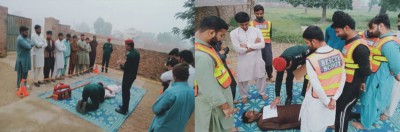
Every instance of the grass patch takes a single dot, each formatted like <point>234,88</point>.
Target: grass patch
<point>287,22</point>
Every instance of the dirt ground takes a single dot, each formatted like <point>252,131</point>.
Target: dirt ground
<point>34,114</point>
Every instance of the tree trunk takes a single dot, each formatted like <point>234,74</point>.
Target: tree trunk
<point>305,10</point>
<point>218,13</point>
<point>383,9</point>
<point>323,19</point>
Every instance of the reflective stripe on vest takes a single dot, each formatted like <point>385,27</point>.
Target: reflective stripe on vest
<point>328,67</point>
<point>220,72</point>
<point>265,28</point>
<point>377,57</point>
<point>350,65</point>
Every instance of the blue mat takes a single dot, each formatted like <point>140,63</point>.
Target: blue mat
<point>255,102</point>
<point>105,117</point>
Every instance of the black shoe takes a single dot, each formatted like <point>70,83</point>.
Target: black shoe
<point>36,84</point>
<point>119,110</point>
<point>102,69</point>
<point>288,101</point>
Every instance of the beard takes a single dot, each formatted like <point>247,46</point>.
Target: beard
<point>214,41</point>
<point>343,37</point>
<point>374,34</point>
<point>24,35</point>
<point>259,18</point>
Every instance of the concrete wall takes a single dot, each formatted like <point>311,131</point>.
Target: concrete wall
<point>3,31</point>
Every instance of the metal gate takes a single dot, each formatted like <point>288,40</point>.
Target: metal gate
<point>13,24</point>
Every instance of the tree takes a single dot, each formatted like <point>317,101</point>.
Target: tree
<point>389,5</point>
<point>101,27</point>
<point>372,3</point>
<point>83,27</point>
<point>324,4</point>
<point>188,31</point>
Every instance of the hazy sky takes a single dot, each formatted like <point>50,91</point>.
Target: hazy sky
<point>144,15</point>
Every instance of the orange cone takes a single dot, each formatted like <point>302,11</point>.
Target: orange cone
<point>22,92</point>
<point>95,70</point>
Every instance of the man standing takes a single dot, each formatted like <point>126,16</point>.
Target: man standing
<point>248,42</point>
<point>330,35</point>
<point>186,56</point>
<point>107,50</point>
<point>67,53</point>
<point>214,102</point>
<point>59,57</point>
<point>73,60</point>
<point>23,62</point>
<point>289,60</point>
<point>325,68</point>
<point>38,54</point>
<point>356,54</point>
<point>385,64</point>
<point>394,101</point>
<point>81,54</point>
<point>175,106</point>
<point>266,28</point>
<point>49,58</point>
<point>93,46</point>
<point>130,68</point>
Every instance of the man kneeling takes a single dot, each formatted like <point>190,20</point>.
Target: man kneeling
<point>96,93</point>
<point>288,117</point>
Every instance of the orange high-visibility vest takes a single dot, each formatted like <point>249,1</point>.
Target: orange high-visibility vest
<point>220,72</point>
<point>377,57</point>
<point>265,28</point>
<point>350,65</point>
<point>328,67</point>
<point>369,41</point>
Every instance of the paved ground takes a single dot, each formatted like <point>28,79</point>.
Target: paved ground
<point>34,114</point>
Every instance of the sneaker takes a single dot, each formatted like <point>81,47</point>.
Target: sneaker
<point>83,107</point>
<point>79,105</point>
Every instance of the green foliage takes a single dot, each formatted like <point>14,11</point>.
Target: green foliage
<point>287,22</point>
<point>188,31</point>
<point>390,5</point>
<point>101,27</point>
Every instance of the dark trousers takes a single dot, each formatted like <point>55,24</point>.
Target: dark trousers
<point>71,68</point>
<point>344,105</point>
<point>305,83</point>
<point>165,85</point>
<point>127,82</point>
<point>106,60</point>
<point>267,57</point>
<point>48,67</point>
<point>92,59</point>
<point>95,98</point>
<point>20,74</point>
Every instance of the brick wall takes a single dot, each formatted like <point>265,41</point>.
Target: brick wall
<point>151,62</point>
<point>3,31</point>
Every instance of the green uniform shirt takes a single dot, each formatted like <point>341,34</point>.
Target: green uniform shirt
<point>297,54</point>
<point>107,48</point>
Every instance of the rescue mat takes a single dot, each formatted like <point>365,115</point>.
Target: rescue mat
<point>105,117</point>
<point>255,102</point>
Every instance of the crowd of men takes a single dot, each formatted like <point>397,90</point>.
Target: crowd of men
<point>341,67</point>
<point>56,59</point>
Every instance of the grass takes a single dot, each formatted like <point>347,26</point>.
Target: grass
<point>287,22</point>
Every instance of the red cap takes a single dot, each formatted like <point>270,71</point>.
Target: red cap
<point>128,41</point>
<point>279,64</point>
<point>108,38</point>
